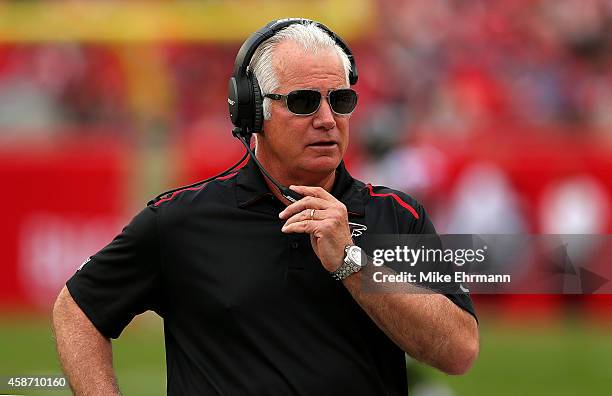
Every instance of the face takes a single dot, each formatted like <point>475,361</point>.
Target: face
<point>297,146</point>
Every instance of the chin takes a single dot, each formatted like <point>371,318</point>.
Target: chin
<point>323,164</point>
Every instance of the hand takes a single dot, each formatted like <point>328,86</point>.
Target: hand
<point>328,228</point>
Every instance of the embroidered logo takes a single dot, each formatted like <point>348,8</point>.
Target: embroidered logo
<point>357,229</point>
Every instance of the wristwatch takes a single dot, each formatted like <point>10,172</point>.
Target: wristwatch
<point>350,264</point>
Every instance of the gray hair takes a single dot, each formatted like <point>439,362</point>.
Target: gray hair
<point>309,36</point>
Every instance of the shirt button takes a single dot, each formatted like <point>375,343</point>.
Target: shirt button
<point>294,245</point>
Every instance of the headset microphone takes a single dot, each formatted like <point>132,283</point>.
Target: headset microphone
<point>288,193</point>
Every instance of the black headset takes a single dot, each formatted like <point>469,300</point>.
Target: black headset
<point>246,102</point>
<point>244,95</point>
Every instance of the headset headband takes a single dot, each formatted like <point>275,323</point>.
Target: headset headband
<point>245,54</point>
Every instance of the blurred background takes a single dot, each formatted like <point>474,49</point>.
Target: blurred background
<point>496,115</point>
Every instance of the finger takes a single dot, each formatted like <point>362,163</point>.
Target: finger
<point>304,203</point>
<point>314,192</point>
<point>304,226</point>
<point>305,215</point>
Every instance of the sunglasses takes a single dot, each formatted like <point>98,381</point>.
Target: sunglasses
<point>305,102</point>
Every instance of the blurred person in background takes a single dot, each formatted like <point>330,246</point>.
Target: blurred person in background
<point>260,295</point>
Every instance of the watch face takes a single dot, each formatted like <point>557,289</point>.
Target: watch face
<point>354,254</point>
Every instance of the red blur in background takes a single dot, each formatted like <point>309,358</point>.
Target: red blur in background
<point>495,115</point>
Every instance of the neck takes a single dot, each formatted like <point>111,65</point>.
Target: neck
<point>287,178</point>
<point>326,184</point>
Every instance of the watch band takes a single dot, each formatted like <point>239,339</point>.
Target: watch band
<point>349,266</point>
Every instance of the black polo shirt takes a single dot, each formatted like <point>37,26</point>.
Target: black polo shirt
<point>247,309</point>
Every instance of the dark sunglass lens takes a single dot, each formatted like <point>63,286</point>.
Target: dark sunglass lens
<point>343,101</point>
<point>303,101</point>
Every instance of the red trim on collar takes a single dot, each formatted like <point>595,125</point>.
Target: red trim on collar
<point>174,194</point>
<point>398,199</point>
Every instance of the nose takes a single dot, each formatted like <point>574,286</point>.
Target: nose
<point>324,117</point>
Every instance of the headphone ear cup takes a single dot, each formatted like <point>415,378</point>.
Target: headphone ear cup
<point>257,105</point>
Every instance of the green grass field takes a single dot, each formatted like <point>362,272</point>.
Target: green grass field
<point>569,359</point>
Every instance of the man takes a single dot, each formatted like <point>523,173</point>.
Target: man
<point>241,275</point>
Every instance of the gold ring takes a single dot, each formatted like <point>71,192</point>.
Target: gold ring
<point>312,212</point>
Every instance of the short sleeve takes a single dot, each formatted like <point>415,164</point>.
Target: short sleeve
<point>123,279</point>
<point>452,291</point>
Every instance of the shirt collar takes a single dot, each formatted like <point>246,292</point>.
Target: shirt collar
<point>251,187</point>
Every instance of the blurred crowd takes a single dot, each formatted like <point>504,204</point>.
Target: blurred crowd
<point>462,64</point>
<point>465,66</point>
<point>427,65</point>
<point>477,108</point>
